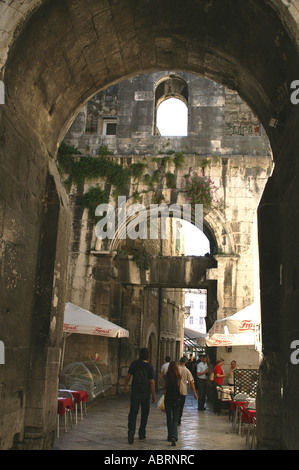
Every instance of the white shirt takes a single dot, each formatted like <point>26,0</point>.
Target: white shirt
<point>164,368</point>
<point>201,367</point>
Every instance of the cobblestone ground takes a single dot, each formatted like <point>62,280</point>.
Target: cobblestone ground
<point>105,428</point>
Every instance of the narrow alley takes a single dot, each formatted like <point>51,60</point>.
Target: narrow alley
<point>105,428</point>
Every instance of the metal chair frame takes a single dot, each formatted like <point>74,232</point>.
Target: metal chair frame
<point>68,411</point>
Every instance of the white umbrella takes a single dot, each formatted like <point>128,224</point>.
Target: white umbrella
<point>79,320</point>
<point>241,322</point>
<point>236,330</point>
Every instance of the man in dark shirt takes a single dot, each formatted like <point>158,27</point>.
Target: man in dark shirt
<point>141,390</point>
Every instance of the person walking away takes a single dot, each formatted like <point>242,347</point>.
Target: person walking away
<point>218,380</point>
<point>164,369</point>
<point>143,385</point>
<point>202,376</point>
<point>193,369</point>
<point>171,390</point>
<point>189,362</point>
<point>187,378</point>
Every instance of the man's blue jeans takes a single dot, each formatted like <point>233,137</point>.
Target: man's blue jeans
<point>142,401</point>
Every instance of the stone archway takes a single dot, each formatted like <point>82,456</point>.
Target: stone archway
<point>60,55</point>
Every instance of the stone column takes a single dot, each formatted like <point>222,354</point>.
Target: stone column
<point>269,404</point>
<point>47,322</point>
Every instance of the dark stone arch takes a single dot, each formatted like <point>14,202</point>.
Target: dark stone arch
<point>61,57</point>
<point>67,51</point>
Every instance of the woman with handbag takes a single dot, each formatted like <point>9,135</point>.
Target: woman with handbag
<point>171,390</point>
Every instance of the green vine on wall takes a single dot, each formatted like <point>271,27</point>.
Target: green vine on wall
<point>81,168</point>
<point>142,259</point>
<point>93,198</point>
<point>137,170</point>
<point>170,180</point>
<point>179,159</point>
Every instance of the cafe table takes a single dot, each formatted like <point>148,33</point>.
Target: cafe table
<point>80,397</point>
<point>236,407</point>
<point>65,406</point>
<point>251,424</point>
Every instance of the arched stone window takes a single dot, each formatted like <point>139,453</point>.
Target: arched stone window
<point>171,91</point>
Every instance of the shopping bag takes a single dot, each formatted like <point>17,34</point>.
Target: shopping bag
<point>161,404</point>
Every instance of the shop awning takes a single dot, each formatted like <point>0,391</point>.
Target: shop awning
<point>194,338</point>
<point>79,320</point>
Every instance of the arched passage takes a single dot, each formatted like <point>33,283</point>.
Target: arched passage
<point>62,54</point>
<point>211,223</point>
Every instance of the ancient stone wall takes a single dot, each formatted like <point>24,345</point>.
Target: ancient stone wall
<point>34,244</point>
<point>220,124</point>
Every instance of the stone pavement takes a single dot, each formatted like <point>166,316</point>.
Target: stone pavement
<point>105,428</point>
